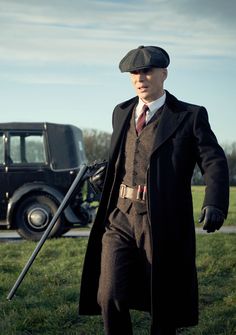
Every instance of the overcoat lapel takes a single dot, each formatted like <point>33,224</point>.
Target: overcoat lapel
<point>124,115</point>
<point>169,122</point>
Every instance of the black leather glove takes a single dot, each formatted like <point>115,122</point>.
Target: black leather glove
<point>98,176</point>
<point>212,218</point>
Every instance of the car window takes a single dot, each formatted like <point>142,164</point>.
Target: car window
<point>1,149</point>
<point>35,152</point>
<point>27,149</point>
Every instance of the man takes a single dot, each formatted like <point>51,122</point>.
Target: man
<point>141,250</point>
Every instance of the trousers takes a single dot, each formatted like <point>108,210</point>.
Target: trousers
<point>125,264</point>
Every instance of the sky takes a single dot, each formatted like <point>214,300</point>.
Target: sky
<point>59,58</point>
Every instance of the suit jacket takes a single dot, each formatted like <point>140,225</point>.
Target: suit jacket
<point>183,138</point>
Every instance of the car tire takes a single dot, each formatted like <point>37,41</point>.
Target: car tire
<point>34,214</point>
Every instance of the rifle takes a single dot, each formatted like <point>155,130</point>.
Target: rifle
<point>84,173</point>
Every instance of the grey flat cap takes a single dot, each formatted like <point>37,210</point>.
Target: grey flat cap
<point>144,57</point>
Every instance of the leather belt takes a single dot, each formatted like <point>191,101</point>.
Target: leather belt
<point>137,193</point>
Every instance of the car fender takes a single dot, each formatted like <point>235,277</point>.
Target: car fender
<point>29,188</point>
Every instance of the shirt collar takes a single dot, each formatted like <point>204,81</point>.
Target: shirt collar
<point>153,106</point>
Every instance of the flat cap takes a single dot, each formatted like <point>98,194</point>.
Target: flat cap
<point>144,57</point>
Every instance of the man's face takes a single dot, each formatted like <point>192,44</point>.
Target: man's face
<point>148,83</point>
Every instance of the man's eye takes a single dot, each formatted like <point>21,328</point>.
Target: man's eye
<point>143,71</point>
<point>146,70</point>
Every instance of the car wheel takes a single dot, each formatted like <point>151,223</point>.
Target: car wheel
<point>34,215</point>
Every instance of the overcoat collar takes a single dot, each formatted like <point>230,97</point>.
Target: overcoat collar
<point>173,114</point>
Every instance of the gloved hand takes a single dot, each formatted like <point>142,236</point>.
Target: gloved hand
<point>98,176</point>
<point>212,218</point>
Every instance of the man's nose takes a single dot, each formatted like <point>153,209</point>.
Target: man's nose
<point>140,76</point>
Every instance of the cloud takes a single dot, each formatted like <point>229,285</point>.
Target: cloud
<point>100,32</point>
<point>222,13</point>
<point>55,54</point>
<point>48,79</point>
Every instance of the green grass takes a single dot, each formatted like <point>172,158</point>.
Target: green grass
<point>47,300</point>
<point>198,196</point>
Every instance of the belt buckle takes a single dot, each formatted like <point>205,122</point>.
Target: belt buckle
<point>141,192</point>
<point>123,191</point>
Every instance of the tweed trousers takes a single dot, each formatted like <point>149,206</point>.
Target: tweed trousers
<point>126,262</point>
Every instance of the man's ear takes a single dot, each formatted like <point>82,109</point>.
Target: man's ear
<point>165,74</point>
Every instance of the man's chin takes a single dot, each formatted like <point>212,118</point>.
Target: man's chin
<point>144,96</point>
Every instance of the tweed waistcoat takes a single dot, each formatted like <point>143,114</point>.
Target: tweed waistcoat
<point>135,156</point>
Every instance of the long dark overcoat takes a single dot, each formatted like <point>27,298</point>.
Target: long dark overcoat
<point>183,138</point>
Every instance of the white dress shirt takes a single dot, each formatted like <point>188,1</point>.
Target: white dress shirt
<point>153,107</point>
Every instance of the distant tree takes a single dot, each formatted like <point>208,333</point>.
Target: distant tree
<point>197,178</point>
<point>230,151</point>
<point>96,144</point>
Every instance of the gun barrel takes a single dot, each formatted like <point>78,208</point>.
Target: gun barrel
<point>63,205</point>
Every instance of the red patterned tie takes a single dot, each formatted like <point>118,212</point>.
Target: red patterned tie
<point>141,122</point>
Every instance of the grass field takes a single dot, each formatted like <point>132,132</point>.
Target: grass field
<point>198,196</point>
<point>46,302</point>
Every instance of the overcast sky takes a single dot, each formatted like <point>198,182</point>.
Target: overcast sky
<point>59,58</point>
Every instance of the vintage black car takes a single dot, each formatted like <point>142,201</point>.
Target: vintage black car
<point>38,163</point>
